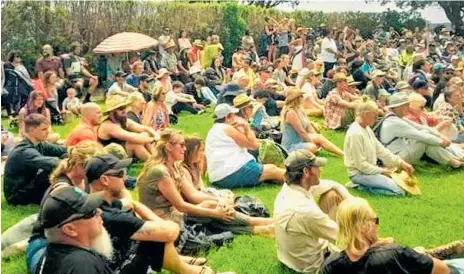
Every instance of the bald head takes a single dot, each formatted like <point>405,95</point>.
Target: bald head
<point>91,113</point>
<point>47,50</point>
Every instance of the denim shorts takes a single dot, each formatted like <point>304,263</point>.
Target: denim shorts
<point>247,176</point>
<point>34,252</point>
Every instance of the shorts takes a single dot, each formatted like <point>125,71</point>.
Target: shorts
<point>247,176</point>
<point>34,252</point>
<point>141,256</point>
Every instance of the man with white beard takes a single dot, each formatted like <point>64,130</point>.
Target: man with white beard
<point>78,242</point>
<point>139,243</point>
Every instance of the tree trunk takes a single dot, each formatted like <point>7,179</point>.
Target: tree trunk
<point>455,12</point>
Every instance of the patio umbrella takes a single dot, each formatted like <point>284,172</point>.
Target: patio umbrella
<point>125,42</point>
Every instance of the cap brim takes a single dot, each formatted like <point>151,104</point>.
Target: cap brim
<point>123,164</point>
<point>398,105</point>
<point>93,201</point>
<point>354,84</point>
<point>320,161</point>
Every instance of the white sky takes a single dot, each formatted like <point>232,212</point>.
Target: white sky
<point>434,14</point>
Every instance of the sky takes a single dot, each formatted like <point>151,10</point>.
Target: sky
<point>434,14</point>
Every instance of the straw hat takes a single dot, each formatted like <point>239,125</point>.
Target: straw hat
<point>162,72</point>
<point>340,77</point>
<point>402,85</point>
<point>241,101</point>
<point>198,43</point>
<point>302,30</point>
<point>170,44</point>
<point>392,74</point>
<point>351,82</point>
<point>116,101</point>
<point>398,99</point>
<point>406,182</point>
<point>378,73</point>
<point>293,93</point>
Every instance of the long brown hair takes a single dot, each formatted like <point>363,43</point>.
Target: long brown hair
<point>193,145</point>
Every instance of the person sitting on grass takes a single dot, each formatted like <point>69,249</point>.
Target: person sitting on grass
<point>136,138</point>
<point>36,104</point>
<point>164,188</point>
<point>411,141</point>
<point>156,114</point>
<point>139,243</point>
<point>120,87</point>
<point>226,152</point>
<point>30,163</point>
<point>135,109</point>
<point>305,230</point>
<point>310,81</point>
<point>297,132</point>
<point>133,79</point>
<point>364,252</point>
<point>144,86</point>
<point>362,149</point>
<point>87,127</point>
<point>71,104</point>
<point>261,119</point>
<point>178,101</point>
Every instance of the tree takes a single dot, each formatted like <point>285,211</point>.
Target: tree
<point>454,10</point>
<point>270,3</point>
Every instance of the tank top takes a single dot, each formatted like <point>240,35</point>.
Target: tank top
<point>290,136</point>
<point>106,142</point>
<point>223,155</point>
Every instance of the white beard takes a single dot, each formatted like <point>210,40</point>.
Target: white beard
<point>102,244</point>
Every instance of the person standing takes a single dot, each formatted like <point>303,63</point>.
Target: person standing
<point>329,51</point>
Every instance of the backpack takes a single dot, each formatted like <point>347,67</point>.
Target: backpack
<point>251,206</point>
<point>378,127</point>
<point>271,153</point>
<point>196,238</point>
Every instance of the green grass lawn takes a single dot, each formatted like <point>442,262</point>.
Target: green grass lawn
<point>431,219</point>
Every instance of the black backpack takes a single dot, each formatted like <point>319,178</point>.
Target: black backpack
<point>378,127</point>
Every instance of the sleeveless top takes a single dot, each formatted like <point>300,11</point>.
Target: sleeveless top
<point>290,136</point>
<point>223,155</point>
<point>106,142</point>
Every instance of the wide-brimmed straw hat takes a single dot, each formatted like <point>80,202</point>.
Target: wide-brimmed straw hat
<point>198,43</point>
<point>293,94</point>
<point>170,44</point>
<point>340,77</point>
<point>116,101</point>
<point>398,99</point>
<point>162,72</point>
<point>241,101</point>
<point>351,82</point>
<point>406,182</point>
<point>402,85</point>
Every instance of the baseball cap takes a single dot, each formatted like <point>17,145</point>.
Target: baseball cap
<point>120,74</point>
<point>222,110</point>
<point>145,77</point>
<point>418,83</point>
<point>67,201</point>
<point>299,159</point>
<point>100,164</point>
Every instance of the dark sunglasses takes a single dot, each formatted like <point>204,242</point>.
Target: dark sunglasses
<point>119,173</point>
<point>86,216</point>
<point>376,220</point>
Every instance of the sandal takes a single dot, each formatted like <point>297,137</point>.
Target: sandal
<point>197,261</point>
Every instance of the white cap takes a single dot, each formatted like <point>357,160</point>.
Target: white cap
<point>222,110</point>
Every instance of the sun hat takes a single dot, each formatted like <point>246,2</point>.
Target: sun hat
<point>241,101</point>
<point>222,110</point>
<point>232,89</point>
<point>378,73</point>
<point>304,72</point>
<point>98,165</point>
<point>162,72</point>
<point>402,85</point>
<point>351,82</point>
<point>198,43</point>
<point>136,96</point>
<point>170,44</point>
<point>115,102</point>
<point>392,74</point>
<point>398,99</point>
<point>68,201</point>
<point>271,83</point>
<point>340,77</point>
<point>294,70</point>
<point>406,182</point>
<point>302,158</point>
<point>293,93</point>
<point>116,150</point>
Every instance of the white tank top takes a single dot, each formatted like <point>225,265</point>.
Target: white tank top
<point>223,155</point>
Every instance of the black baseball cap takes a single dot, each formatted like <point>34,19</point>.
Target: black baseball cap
<point>145,77</point>
<point>67,201</point>
<point>418,83</point>
<point>120,74</point>
<point>100,164</point>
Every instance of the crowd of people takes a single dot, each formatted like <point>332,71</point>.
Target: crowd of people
<point>398,95</point>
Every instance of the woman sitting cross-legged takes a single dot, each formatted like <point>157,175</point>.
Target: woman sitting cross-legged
<point>365,253</point>
<point>156,114</point>
<point>163,186</point>
<point>229,162</point>
<point>362,149</point>
<point>297,131</point>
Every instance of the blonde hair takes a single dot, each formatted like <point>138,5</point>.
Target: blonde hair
<point>355,222</point>
<point>365,105</point>
<point>77,155</point>
<point>160,154</point>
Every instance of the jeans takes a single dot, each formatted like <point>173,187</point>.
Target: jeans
<point>377,183</point>
<point>327,67</point>
<point>34,253</point>
<point>20,231</point>
<point>208,94</point>
<point>179,106</point>
<point>456,265</point>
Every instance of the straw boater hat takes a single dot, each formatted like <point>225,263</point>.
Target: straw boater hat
<point>293,93</point>
<point>406,182</point>
<point>116,101</point>
<point>170,44</point>
<point>241,101</point>
<point>162,72</point>
<point>198,43</point>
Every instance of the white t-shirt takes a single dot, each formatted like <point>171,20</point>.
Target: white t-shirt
<point>171,99</point>
<point>325,55</point>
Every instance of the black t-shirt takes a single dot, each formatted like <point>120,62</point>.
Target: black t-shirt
<point>121,225</point>
<point>67,259</point>
<point>134,117</point>
<point>380,260</point>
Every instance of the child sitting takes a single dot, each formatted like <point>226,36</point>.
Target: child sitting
<point>176,100</point>
<point>71,103</point>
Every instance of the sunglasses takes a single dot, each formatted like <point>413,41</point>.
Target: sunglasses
<point>182,144</point>
<point>376,220</point>
<point>86,216</point>
<point>118,174</point>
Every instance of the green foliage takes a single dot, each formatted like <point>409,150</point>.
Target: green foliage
<point>231,30</point>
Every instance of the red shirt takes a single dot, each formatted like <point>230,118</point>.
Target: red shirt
<point>49,63</point>
<point>82,132</point>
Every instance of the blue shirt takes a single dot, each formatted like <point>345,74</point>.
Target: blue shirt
<point>133,80</point>
<point>366,67</point>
